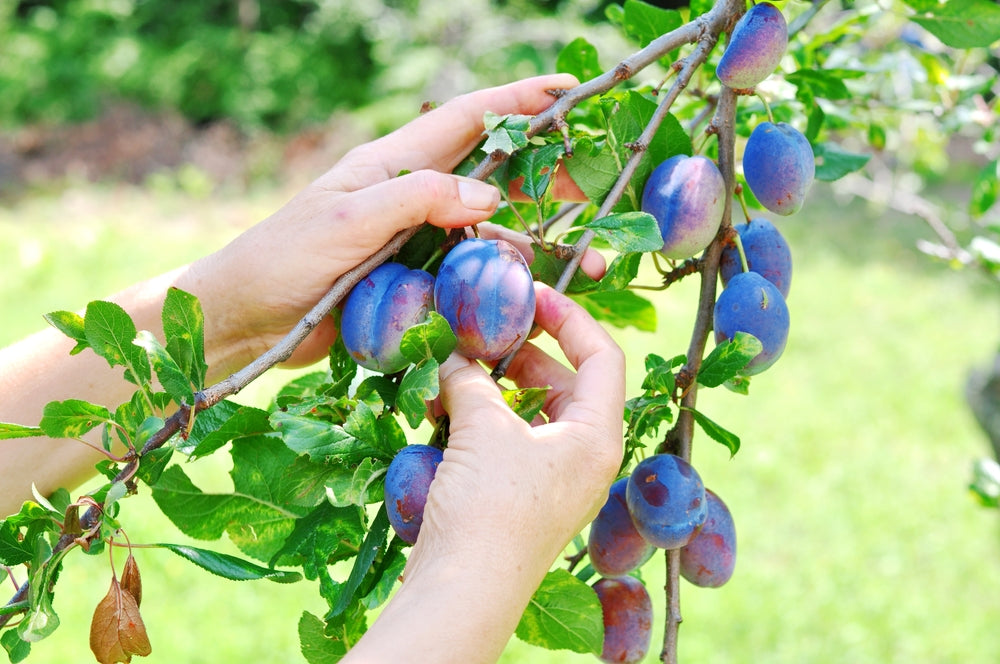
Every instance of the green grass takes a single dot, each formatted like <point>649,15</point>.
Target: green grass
<point>858,540</point>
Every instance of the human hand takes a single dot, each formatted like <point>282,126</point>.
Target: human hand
<point>257,288</point>
<point>508,496</point>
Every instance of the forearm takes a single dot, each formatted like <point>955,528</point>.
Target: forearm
<point>40,369</point>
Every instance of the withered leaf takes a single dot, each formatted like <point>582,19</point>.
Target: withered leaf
<point>131,581</point>
<point>117,631</point>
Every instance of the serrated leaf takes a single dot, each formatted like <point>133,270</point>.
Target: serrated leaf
<point>833,162</point>
<point>72,418</point>
<point>593,168</point>
<point>110,333</point>
<point>730,440</point>
<point>433,338</point>
<point>17,650</point>
<point>620,308</point>
<point>117,631</point>
<point>328,642</point>
<point>629,232</point>
<point>70,324</point>
<point>660,373</point>
<point>184,330</point>
<point>419,385</point>
<point>171,378</point>
<point>230,567</point>
<point>370,548</point>
<point>360,485</point>
<point>526,402</point>
<point>623,270</point>
<point>391,569</point>
<point>728,359</point>
<point>10,431</point>
<point>537,166</point>
<point>563,614</point>
<point>13,550</point>
<point>646,413</point>
<point>960,23</point>
<point>244,422</point>
<point>507,133</point>
<point>579,58</point>
<point>548,269</point>
<point>320,440</point>
<point>824,84</point>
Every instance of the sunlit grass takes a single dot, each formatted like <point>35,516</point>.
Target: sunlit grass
<point>858,541</point>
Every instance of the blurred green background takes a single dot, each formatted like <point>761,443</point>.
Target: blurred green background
<point>858,538</point>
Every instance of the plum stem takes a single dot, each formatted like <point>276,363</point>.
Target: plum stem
<point>738,241</point>
<point>767,107</point>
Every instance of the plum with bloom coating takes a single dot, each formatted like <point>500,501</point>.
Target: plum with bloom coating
<point>628,619</point>
<point>666,499</point>
<point>406,485</point>
<point>687,196</point>
<point>758,41</point>
<point>709,559</point>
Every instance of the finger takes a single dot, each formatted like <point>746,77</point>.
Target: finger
<point>443,137</point>
<point>598,394</point>
<point>469,395</point>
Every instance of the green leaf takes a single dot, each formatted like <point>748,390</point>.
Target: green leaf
<point>506,133</point>
<point>17,650</point>
<point>381,433</point>
<point>244,422</point>
<point>985,189</point>
<point>9,431</point>
<point>328,642</point>
<point>433,338</point>
<point>622,271</point>
<point>526,402</point>
<point>324,536</point>
<point>593,168</point>
<point>205,424</point>
<point>184,330</point>
<point>985,483</point>
<point>644,22</point>
<point>257,515</point>
<point>960,23</point>
<point>320,440</point>
<point>629,232</point>
<point>717,433</point>
<point>173,380</point>
<point>547,268</point>
<point>563,614</point>
<point>230,567</point>
<point>620,308</point>
<point>536,166</point>
<point>825,84</point>
<point>153,463</point>
<point>579,58</point>
<point>728,359</point>
<point>833,162</point>
<point>419,385</point>
<point>72,418</point>
<point>370,548</point>
<point>660,376</point>
<point>360,485</point>
<point>71,324</point>
<point>110,333</point>
<point>14,550</point>
<point>646,413</point>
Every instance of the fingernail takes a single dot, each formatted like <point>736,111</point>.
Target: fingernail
<point>477,195</point>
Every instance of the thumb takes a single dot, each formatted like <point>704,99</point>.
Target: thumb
<point>441,199</point>
<point>468,394</point>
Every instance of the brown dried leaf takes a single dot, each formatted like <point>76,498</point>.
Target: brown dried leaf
<point>131,581</point>
<point>117,631</point>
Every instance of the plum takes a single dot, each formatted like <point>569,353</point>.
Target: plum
<point>628,619</point>
<point>750,303</point>
<point>666,498</point>
<point>755,47</point>
<point>379,309</point>
<point>708,560</point>
<point>614,545</point>
<point>767,254</point>
<point>485,291</point>
<point>779,166</point>
<point>687,196</point>
<point>406,485</point>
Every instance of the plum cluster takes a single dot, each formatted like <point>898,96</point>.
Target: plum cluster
<point>661,504</point>
<point>483,288</point>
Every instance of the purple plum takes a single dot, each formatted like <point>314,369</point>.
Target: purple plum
<point>628,619</point>
<point>687,196</point>
<point>666,498</point>
<point>379,309</point>
<point>406,485</point>
<point>750,303</point>
<point>485,291</point>
<point>779,166</point>
<point>767,254</point>
<point>614,545</point>
<point>709,559</point>
<point>755,47</point>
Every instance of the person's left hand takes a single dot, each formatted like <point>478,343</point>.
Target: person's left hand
<point>258,287</point>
